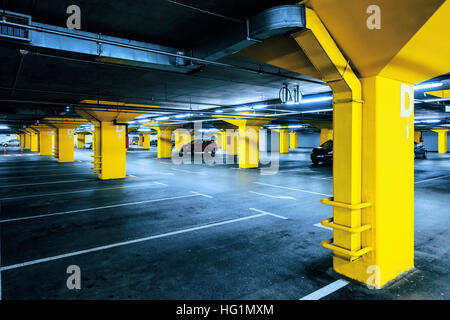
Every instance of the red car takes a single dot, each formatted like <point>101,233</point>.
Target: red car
<point>209,146</point>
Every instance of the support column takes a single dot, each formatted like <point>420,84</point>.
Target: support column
<point>182,137</point>
<point>65,145</point>
<point>45,141</point>
<point>284,140</point>
<point>164,142</point>
<point>146,141</point>
<point>81,140</point>
<point>442,140</point>
<point>140,140</point>
<point>27,140</point>
<point>22,140</point>
<point>231,142</point>
<point>325,135</point>
<point>248,147</point>
<point>34,144</point>
<point>293,140</point>
<point>418,136</point>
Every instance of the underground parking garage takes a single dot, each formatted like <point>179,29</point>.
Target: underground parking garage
<point>239,150</point>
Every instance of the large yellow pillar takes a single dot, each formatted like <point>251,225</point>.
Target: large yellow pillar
<point>284,140</point>
<point>248,146</point>
<point>27,140</point>
<point>44,140</point>
<point>181,137</point>
<point>223,140</point>
<point>293,140</point>
<point>22,140</point>
<point>140,140</point>
<point>442,140</point>
<point>146,141</point>
<point>81,140</point>
<point>34,143</point>
<point>325,135</point>
<point>231,142</point>
<point>164,149</point>
<point>417,136</point>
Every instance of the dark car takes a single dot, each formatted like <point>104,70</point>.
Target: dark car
<point>323,154</point>
<point>420,151</point>
<point>194,146</point>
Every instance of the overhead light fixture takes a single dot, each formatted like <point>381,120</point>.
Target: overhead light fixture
<point>428,85</point>
<point>314,100</point>
<point>144,130</point>
<point>3,127</point>
<point>292,126</point>
<point>143,120</point>
<point>318,110</point>
<point>260,106</point>
<point>179,116</point>
<point>242,109</point>
<point>162,118</point>
<point>219,111</point>
<point>431,121</point>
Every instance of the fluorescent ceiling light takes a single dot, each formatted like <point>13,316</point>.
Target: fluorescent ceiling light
<point>4,127</point>
<point>431,121</point>
<point>144,130</point>
<point>260,106</point>
<point>219,111</point>
<point>313,100</point>
<point>242,109</point>
<point>143,120</point>
<point>162,118</point>
<point>296,126</point>
<point>428,85</point>
<point>318,110</point>
<point>178,116</point>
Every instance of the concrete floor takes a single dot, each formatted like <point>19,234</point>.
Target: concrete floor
<point>228,244</point>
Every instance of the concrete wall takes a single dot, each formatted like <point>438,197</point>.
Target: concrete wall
<point>308,140</point>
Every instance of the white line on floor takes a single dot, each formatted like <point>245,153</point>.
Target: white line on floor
<point>323,292</point>
<point>40,183</point>
<point>165,173</point>
<point>161,184</point>
<point>189,171</point>
<point>77,191</point>
<point>48,175</point>
<point>202,194</point>
<point>293,189</point>
<point>319,225</point>
<point>431,179</point>
<point>98,208</point>
<point>268,213</point>
<point>119,244</point>
<point>275,197</point>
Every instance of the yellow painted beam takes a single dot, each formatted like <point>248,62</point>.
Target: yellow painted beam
<point>293,140</point>
<point>440,93</point>
<point>442,139</point>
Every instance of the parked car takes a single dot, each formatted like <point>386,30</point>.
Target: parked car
<point>11,143</point>
<point>206,146</point>
<point>88,145</point>
<point>420,151</point>
<point>323,154</point>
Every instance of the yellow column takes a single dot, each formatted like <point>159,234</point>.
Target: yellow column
<point>81,140</point>
<point>417,136</point>
<point>65,145</point>
<point>164,142</point>
<point>146,141</point>
<point>248,147</point>
<point>442,140</point>
<point>325,135</point>
<point>110,151</point>
<point>293,140</point>
<point>223,140</point>
<point>22,140</point>
<point>55,143</point>
<point>284,141</point>
<point>231,142</point>
<point>34,142</point>
<point>218,139</point>
<point>140,141</point>
<point>27,140</point>
<point>45,142</point>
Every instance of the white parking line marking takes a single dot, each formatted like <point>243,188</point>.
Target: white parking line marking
<point>323,292</point>
<point>161,184</point>
<point>189,171</point>
<point>76,191</point>
<point>293,189</point>
<point>97,208</point>
<point>202,194</point>
<point>124,243</point>
<point>275,197</point>
<point>268,213</point>
<point>40,183</point>
<point>431,179</point>
<point>319,225</point>
<point>48,175</point>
